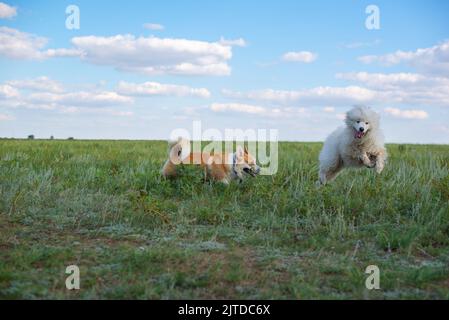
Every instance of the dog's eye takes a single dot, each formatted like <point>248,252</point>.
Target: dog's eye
<point>366,122</point>
<point>358,121</point>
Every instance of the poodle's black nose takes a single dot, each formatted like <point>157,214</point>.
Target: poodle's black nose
<point>361,129</point>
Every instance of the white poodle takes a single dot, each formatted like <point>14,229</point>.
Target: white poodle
<point>359,143</point>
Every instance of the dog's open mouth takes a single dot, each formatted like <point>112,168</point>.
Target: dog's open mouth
<point>358,134</point>
<point>249,171</point>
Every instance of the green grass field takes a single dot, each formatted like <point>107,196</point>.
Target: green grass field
<point>103,206</point>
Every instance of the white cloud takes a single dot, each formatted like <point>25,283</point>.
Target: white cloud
<point>96,111</point>
<point>238,107</point>
<point>62,52</point>
<point>301,56</point>
<point>369,88</point>
<point>16,44</point>
<point>40,83</point>
<point>256,110</point>
<point>48,94</point>
<point>329,109</point>
<point>81,98</point>
<point>6,117</point>
<point>320,96</point>
<point>122,113</point>
<point>240,42</point>
<point>7,92</point>
<point>155,88</point>
<point>153,26</point>
<point>20,45</point>
<point>409,88</point>
<point>407,114</point>
<point>6,11</point>
<point>433,60</point>
<point>146,55</point>
<point>380,80</point>
<point>152,55</point>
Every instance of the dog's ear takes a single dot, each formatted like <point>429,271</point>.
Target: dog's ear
<point>350,114</point>
<point>246,149</point>
<point>240,152</point>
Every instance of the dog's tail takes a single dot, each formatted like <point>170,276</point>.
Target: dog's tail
<point>178,150</point>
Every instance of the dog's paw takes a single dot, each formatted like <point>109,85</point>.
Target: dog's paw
<point>379,168</point>
<point>366,161</point>
<point>371,165</point>
<point>371,161</point>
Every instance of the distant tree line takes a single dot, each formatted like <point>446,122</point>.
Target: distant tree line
<point>31,137</point>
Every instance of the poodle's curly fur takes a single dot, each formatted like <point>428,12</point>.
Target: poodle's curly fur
<point>359,143</point>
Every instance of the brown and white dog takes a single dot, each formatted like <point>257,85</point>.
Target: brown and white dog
<point>223,167</point>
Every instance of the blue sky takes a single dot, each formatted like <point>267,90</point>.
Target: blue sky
<point>294,66</point>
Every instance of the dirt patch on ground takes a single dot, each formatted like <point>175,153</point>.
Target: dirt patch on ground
<point>238,270</point>
<point>8,238</point>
